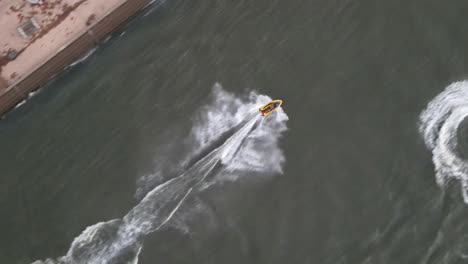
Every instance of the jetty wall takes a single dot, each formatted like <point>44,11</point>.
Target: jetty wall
<point>77,47</point>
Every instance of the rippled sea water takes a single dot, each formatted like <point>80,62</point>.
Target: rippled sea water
<point>344,175</point>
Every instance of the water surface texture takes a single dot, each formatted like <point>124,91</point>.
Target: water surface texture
<point>149,151</point>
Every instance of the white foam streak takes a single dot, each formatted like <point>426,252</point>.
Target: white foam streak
<point>120,240</point>
<point>439,126</point>
<point>260,150</point>
<point>83,58</point>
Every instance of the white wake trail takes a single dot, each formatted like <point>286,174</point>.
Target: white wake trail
<point>120,240</point>
<point>439,124</point>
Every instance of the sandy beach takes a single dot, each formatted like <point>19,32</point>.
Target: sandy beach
<point>60,23</point>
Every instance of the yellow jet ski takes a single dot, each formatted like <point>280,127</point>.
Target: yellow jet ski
<point>270,107</point>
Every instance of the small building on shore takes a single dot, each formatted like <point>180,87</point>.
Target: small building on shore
<point>34,2</point>
<point>29,28</point>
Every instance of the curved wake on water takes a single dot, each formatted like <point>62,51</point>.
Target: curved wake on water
<point>439,126</point>
<point>261,151</point>
<point>121,240</point>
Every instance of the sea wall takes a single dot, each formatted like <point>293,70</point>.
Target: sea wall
<point>19,90</point>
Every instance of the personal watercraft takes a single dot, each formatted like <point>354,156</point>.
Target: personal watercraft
<point>270,107</point>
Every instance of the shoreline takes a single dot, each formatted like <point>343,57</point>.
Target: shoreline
<point>74,49</point>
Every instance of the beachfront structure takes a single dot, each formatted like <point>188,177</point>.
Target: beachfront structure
<point>28,28</point>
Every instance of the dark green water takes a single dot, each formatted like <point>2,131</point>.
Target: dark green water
<point>358,183</point>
